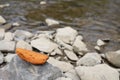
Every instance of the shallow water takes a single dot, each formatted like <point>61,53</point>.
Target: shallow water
<point>94,19</point>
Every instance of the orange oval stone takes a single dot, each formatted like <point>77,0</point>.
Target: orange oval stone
<point>31,56</point>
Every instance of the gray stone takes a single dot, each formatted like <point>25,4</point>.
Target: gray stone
<point>79,45</point>
<point>2,33</point>
<point>2,20</point>
<point>18,69</point>
<point>22,35</point>
<point>113,57</point>
<point>71,55</point>
<point>67,35</point>
<point>4,5</point>
<point>44,44</point>
<point>9,57</point>
<point>100,42</point>
<point>98,72</point>
<point>72,74</point>
<point>16,24</point>
<point>56,52</point>
<point>64,46</point>
<point>24,45</point>
<point>9,36</point>
<point>63,78</point>
<point>51,22</point>
<point>90,59</point>
<point>7,46</point>
<point>1,58</point>
<point>43,2</point>
<point>63,66</point>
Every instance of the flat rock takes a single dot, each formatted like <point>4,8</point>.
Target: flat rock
<point>7,46</point>
<point>9,57</point>
<point>24,45</point>
<point>2,33</point>
<point>2,20</point>
<point>71,55</point>
<point>51,22</point>
<point>72,74</point>
<point>67,35</point>
<point>1,58</point>
<point>44,44</point>
<point>90,59</point>
<point>22,35</point>
<point>18,69</point>
<point>98,72</point>
<point>9,36</point>
<point>113,57</point>
<point>63,66</point>
<point>79,45</point>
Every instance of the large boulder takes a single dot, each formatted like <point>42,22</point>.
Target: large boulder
<point>66,35</point>
<point>90,59</point>
<point>113,57</point>
<point>18,69</point>
<point>44,44</point>
<point>98,72</point>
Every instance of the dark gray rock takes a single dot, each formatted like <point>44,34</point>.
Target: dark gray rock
<point>18,69</point>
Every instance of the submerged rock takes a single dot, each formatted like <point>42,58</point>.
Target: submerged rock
<point>18,69</point>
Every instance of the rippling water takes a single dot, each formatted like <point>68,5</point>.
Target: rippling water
<point>94,19</point>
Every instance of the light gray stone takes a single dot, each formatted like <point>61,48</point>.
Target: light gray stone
<point>22,35</point>
<point>63,78</point>
<point>1,58</point>
<point>72,74</point>
<point>16,24</point>
<point>56,52</point>
<point>4,5</point>
<point>113,57</point>
<point>9,36</point>
<point>64,46</point>
<point>2,20</point>
<point>7,46</point>
<point>79,45</point>
<point>44,44</point>
<point>51,22</point>
<point>71,55</point>
<point>90,59</point>
<point>24,45</point>
<point>18,69</point>
<point>2,33</point>
<point>67,35</point>
<point>100,42</point>
<point>98,72</point>
<point>63,66</point>
<point>43,2</point>
<point>9,57</point>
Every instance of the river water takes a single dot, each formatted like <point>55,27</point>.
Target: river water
<point>94,19</point>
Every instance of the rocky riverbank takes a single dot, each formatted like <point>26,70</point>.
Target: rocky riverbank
<point>69,56</point>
